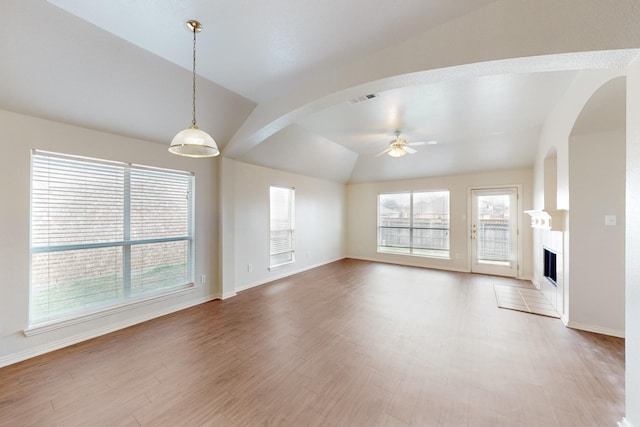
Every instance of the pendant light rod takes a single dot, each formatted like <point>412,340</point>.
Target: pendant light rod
<point>195,27</point>
<point>193,142</point>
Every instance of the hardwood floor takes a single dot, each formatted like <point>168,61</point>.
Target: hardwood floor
<point>352,343</point>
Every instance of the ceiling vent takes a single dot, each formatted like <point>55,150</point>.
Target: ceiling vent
<point>362,98</point>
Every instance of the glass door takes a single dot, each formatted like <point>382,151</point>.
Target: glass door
<point>494,231</point>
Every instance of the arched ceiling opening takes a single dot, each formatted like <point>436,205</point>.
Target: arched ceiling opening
<point>276,79</point>
<point>605,110</point>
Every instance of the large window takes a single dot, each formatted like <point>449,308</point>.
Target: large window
<point>105,233</point>
<point>414,223</point>
<point>282,248</point>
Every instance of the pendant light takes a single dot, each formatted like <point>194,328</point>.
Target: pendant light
<point>193,142</point>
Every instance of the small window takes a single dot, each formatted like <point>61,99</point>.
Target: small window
<point>282,247</point>
<point>104,234</point>
<point>415,223</point>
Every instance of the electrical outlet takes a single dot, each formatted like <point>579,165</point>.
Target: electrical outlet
<point>203,278</point>
<point>249,268</point>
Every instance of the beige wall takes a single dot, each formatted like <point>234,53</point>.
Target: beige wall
<point>554,138</point>
<point>232,237</point>
<point>597,182</point>
<point>320,221</point>
<point>362,217</point>
<point>18,135</point>
<point>582,299</point>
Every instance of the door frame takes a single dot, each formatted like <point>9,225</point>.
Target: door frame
<point>518,219</point>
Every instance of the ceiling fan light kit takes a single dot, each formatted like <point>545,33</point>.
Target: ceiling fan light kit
<point>193,142</point>
<point>399,146</point>
<point>397,152</point>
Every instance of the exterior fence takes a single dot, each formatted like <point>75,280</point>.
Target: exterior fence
<point>494,242</point>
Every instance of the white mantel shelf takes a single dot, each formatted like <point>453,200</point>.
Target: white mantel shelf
<point>547,220</point>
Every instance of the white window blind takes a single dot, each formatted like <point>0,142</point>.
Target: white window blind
<point>105,233</point>
<point>282,248</point>
<point>414,223</point>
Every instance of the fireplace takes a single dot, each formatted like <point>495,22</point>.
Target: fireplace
<point>549,268</point>
<point>549,241</point>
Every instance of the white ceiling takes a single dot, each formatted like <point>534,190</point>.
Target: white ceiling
<point>260,49</point>
<point>474,121</point>
<point>124,67</point>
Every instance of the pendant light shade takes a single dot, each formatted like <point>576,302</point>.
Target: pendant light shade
<point>193,142</point>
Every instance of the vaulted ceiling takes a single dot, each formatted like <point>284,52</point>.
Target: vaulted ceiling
<point>288,84</point>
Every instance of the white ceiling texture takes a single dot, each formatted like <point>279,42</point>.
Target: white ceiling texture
<point>283,83</point>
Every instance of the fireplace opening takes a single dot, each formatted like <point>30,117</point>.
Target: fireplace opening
<point>550,266</point>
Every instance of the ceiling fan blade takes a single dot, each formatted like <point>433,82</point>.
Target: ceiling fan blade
<point>384,152</point>
<point>429,142</point>
<point>409,150</point>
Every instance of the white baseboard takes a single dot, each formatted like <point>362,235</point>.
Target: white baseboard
<point>586,327</point>
<point>227,295</point>
<point>285,274</point>
<point>624,423</point>
<point>597,329</point>
<point>94,333</point>
<point>386,261</point>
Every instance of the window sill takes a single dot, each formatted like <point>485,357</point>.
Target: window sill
<point>278,266</point>
<point>53,325</point>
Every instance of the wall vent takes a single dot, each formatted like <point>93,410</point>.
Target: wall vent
<point>362,98</point>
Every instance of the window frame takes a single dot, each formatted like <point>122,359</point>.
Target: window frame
<point>412,249</point>
<point>274,262</point>
<point>140,296</point>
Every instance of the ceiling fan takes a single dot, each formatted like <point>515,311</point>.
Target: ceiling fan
<point>399,146</point>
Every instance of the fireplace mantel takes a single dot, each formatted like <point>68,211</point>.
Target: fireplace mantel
<point>547,220</point>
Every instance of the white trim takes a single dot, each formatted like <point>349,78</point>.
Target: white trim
<point>107,311</point>
<point>597,329</point>
<point>434,267</point>
<point>624,423</point>
<point>411,227</point>
<point>68,341</point>
<point>519,268</point>
<point>287,274</point>
<point>113,163</point>
<point>282,265</point>
<point>227,295</point>
<point>47,166</point>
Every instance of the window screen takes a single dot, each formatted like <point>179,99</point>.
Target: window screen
<point>105,233</point>
<point>282,248</point>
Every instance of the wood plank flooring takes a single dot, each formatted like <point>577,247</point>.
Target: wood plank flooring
<point>352,343</point>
